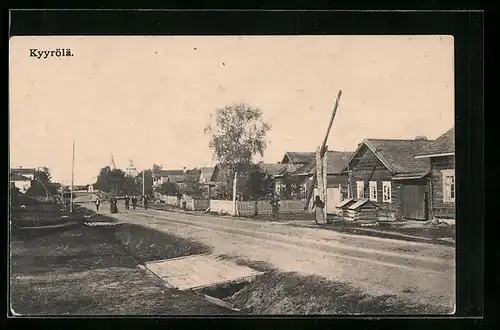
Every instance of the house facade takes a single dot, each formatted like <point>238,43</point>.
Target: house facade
<point>21,178</point>
<point>387,173</point>
<point>337,180</point>
<point>441,154</point>
<point>163,176</point>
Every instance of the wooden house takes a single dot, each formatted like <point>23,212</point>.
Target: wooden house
<point>337,179</point>
<point>21,178</point>
<point>441,154</point>
<point>386,173</point>
<point>295,160</point>
<point>164,176</point>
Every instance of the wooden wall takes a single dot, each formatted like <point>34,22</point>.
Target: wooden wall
<point>440,209</point>
<point>370,168</point>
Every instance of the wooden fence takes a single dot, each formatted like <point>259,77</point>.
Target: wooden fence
<point>251,208</point>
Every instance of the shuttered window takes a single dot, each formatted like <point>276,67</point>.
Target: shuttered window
<point>373,191</point>
<point>449,186</point>
<point>360,189</point>
<point>386,192</point>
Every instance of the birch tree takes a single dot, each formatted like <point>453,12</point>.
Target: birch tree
<point>237,133</point>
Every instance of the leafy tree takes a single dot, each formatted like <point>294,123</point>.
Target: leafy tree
<point>168,188</point>
<point>148,186</point>
<point>191,185</point>
<point>42,185</point>
<point>237,134</point>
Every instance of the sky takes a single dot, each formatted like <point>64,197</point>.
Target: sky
<point>148,98</point>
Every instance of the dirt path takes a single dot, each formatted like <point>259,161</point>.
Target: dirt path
<point>424,273</point>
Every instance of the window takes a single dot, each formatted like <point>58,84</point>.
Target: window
<point>386,191</point>
<point>373,191</point>
<point>448,186</point>
<point>360,189</point>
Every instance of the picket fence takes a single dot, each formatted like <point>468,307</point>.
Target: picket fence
<point>191,204</point>
<point>252,208</point>
<point>245,208</point>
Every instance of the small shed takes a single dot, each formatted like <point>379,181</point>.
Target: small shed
<point>343,206</point>
<point>362,210</point>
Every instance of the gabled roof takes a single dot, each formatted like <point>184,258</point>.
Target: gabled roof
<point>274,168</point>
<point>336,161</point>
<point>442,146</point>
<point>207,172</point>
<point>177,178</point>
<point>398,156</point>
<point>167,173</point>
<point>23,171</point>
<point>298,157</point>
<point>18,177</point>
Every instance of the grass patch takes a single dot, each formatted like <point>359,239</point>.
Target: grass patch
<point>290,293</point>
<point>88,271</point>
<point>150,245</point>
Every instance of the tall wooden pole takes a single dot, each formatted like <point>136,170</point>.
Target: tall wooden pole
<point>319,174</point>
<point>72,178</point>
<point>325,177</point>
<point>143,183</point>
<point>323,149</point>
<point>235,181</point>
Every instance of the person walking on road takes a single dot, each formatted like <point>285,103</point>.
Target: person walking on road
<point>275,206</point>
<point>127,202</point>
<point>134,202</point>
<point>113,205</point>
<point>319,205</point>
<point>145,202</point>
<point>97,204</point>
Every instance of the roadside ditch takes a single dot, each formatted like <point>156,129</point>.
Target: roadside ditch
<point>272,293</point>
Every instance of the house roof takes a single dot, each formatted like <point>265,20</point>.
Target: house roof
<point>273,168</point>
<point>336,161</point>
<point>298,157</point>
<point>177,178</point>
<point>207,172</point>
<point>18,177</point>
<point>442,146</point>
<point>398,156</point>
<point>361,203</point>
<point>168,173</point>
<point>23,171</point>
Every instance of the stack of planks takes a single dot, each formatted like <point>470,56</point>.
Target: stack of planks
<point>362,211</point>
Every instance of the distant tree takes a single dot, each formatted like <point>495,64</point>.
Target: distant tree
<point>191,186</point>
<point>156,168</point>
<point>114,181</point>
<point>41,185</point>
<point>148,185</point>
<point>237,134</point>
<point>168,188</point>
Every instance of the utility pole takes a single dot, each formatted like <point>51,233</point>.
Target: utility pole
<point>143,183</point>
<point>72,178</point>
<point>235,181</point>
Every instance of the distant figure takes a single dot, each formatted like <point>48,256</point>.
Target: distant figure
<point>319,205</point>
<point>127,202</point>
<point>275,206</point>
<point>145,202</point>
<point>113,205</point>
<point>134,202</point>
<point>97,204</point>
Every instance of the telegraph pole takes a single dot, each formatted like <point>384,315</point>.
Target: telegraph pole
<point>72,177</point>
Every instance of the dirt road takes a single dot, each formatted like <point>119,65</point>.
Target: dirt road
<point>423,273</point>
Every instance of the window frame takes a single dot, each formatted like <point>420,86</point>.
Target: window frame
<point>387,184</point>
<point>360,190</point>
<point>373,184</point>
<point>444,175</point>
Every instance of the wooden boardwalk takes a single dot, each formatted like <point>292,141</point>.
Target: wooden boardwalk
<point>200,271</point>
